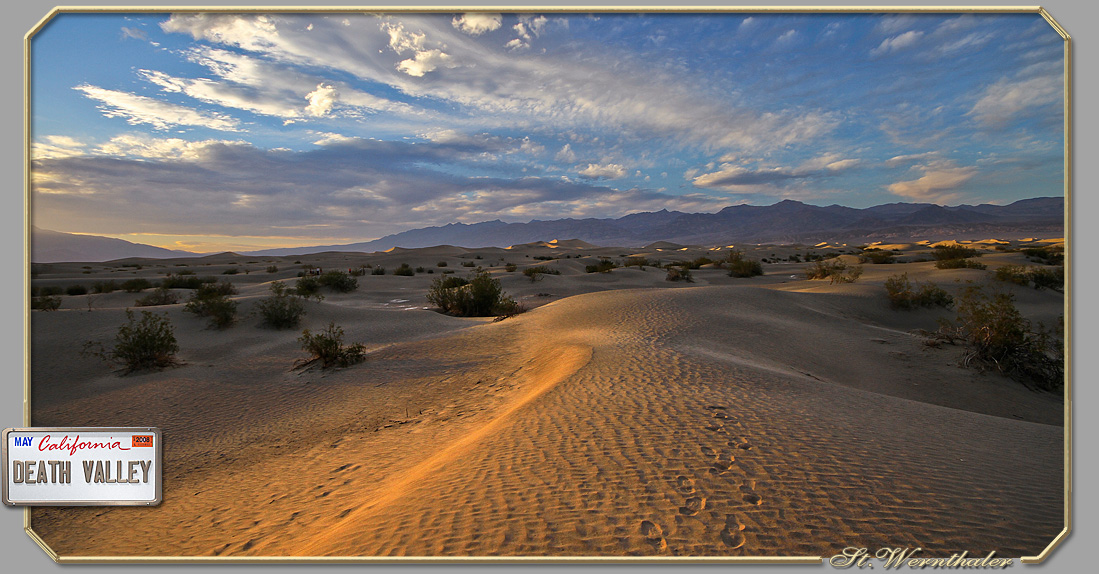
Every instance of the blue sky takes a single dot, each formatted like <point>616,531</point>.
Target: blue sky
<point>210,132</point>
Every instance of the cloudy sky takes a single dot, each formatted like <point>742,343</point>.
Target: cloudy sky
<point>210,132</point>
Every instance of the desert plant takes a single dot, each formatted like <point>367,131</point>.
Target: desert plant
<point>272,268</point>
<point>283,309</point>
<point>604,266</point>
<point>679,274</point>
<point>959,264</point>
<point>404,270</point>
<point>739,266</point>
<point>212,301</point>
<point>159,296</point>
<point>876,256</point>
<point>46,303</point>
<point>307,286</point>
<point>145,343</point>
<point>997,336</point>
<point>904,295</point>
<point>420,269</point>
<point>1054,255</point>
<point>947,252</point>
<point>536,272</point>
<point>468,264</point>
<point>186,282</point>
<point>327,347</point>
<point>136,285</point>
<point>104,287</point>
<point>1045,278</point>
<point>478,296</point>
<point>75,290</point>
<point>636,261</point>
<point>1016,274</point>
<point>835,270</point>
<point>379,270</point>
<point>231,271</point>
<point>50,291</point>
<point>510,267</point>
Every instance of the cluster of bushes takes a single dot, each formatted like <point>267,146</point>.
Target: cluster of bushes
<point>310,285</point>
<point>404,270</point>
<point>603,266</point>
<point>1042,277</point>
<point>835,270</point>
<point>740,266</point>
<point>876,256</point>
<point>510,267</point>
<point>638,261</point>
<point>327,347</point>
<point>468,264</point>
<point>959,264</point>
<point>478,296</point>
<point>535,273</point>
<point>903,294</point>
<point>159,296</point>
<point>379,270</point>
<point>181,282</point>
<point>1053,255</point>
<point>283,309</point>
<point>544,257</point>
<point>212,301</point>
<point>272,268</point>
<point>45,303</point>
<point>679,274</point>
<point>997,336</point>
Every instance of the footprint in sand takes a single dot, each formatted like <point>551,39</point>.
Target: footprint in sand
<point>733,534</point>
<point>716,407</point>
<point>654,534</point>
<point>693,505</point>
<point>718,428</point>
<point>742,444</point>
<point>750,495</point>
<point>685,484</point>
<point>720,415</point>
<point>707,451</point>
<point>722,466</point>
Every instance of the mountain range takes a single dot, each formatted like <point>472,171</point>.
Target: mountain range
<point>784,222</point>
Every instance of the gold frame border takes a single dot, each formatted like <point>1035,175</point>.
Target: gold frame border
<point>27,223</point>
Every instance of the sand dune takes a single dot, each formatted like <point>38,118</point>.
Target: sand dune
<point>622,416</point>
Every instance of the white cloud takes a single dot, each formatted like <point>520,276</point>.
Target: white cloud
<point>901,42</point>
<point>401,41</point>
<point>477,23</point>
<point>143,146</point>
<point>426,61</point>
<point>910,158</point>
<point>604,171</point>
<point>321,100</point>
<point>137,109</point>
<point>566,155</point>
<point>787,36</point>
<point>939,183</point>
<point>1010,98</point>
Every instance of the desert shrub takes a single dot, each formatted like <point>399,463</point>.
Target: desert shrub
<point>739,266</point>
<point>1016,274</point>
<point>904,295</point>
<point>184,272</point>
<point>136,285</point>
<point>272,268</point>
<point>379,270</point>
<point>876,257</point>
<point>283,309</point>
<point>405,270</point>
<point>441,264</point>
<point>145,343</point>
<point>307,286</point>
<point>700,261</point>
<point>327,347</point>
<point>544,257</point>
<point>679,274</point>
<point>76,290</point>
<point>159,296</point>
<point>1044,278</point>
<point>420,269</point>
<point>535,273</point>
<point>479,296</point>
<point>231,271</point>
<point>212,301</point>
<point>50,291</point>
<point>947,252</point>
<point>1054,255</point>
<point>338,281</point>
<point>636,261</point>
<point>468,264</point>
<point>604,266</point>
<point>959,264</point>
<point>46,303</point>
<point>835,271</point>
<point>510,267</point>
<point>997,336</point>
<point>186,282</point>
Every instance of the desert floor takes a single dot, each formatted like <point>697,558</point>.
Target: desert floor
<point>622,415</point>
